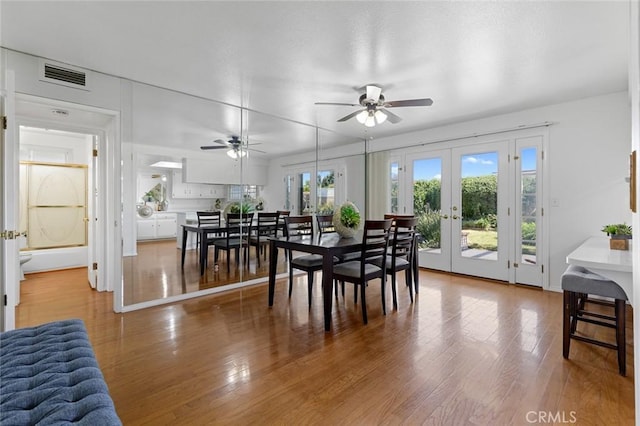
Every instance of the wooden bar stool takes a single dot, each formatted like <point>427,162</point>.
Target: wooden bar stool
<point>578,283</point>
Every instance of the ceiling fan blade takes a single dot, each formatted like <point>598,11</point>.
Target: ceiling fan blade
<point>409,103</point>
<point>254,150</point>
<point>373,93</point>
<point>336,103</point>
<point>350,116</point>
<point>213,147</point>
<point>391,116</point>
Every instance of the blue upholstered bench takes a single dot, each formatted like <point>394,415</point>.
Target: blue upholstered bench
<point>49,375</point>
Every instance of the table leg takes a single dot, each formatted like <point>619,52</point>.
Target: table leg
<point>273,264</point>
<point>204,251</point>
<point>327,288</point>
<point>184,244</point>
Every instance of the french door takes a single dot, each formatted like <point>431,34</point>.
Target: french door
<point>305,194</point>
<point>479,208</point>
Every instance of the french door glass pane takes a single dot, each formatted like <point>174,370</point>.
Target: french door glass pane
<point>394,187</point>
<point>528,189</point>
<point>304,193</point>
<point>326,191</point>
<point>478,210</point>
<point>427,185</point>
<point>288,192</point>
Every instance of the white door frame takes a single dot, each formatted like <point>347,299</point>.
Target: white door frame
<point>405,157</point>
<point>9,194</point>
<point>108,229</point>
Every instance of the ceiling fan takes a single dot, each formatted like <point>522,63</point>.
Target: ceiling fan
<point>236,148</point>
<point>376,107</point>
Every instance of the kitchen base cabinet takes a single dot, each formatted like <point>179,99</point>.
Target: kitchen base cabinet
<point>158,226</point>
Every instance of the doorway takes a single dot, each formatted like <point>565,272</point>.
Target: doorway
<point>479,206</point>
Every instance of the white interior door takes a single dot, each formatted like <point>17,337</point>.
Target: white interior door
<point>92,218</point>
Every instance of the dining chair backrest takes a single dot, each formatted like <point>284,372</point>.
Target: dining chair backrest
<point>404,231</point>
<point>298,225</point>
<point>281,225</point>
<point>325,223</point>
<point>208,218</point>
<point>238,224</point>
<point>265,226</point>
<point>375,240</point>
<point>394,216</point>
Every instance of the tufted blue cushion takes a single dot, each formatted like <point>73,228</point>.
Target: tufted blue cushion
<point>49,376</point>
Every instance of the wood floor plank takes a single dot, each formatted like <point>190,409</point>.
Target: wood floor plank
<point>468,351</point>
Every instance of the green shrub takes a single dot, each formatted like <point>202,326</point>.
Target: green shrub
<point>429,228</point>
<point>528,231</point>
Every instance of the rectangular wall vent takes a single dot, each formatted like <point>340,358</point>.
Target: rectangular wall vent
<point>63,74</point>
<point>66,75</point>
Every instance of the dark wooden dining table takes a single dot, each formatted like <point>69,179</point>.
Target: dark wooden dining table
<point>326,245</point>
<point>203,231</point>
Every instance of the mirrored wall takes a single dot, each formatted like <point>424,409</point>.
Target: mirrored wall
<point>252,163</point>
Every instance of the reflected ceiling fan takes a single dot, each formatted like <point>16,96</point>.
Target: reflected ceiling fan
<point>236,148</point>
<point>376,107</point>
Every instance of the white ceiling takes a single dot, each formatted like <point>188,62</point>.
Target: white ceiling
<point>474,59</point>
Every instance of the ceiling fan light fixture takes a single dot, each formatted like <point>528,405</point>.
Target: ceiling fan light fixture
<point>362,117</point>
<point>380,116</point>
<point>370,121</point>
<point>236,153</point>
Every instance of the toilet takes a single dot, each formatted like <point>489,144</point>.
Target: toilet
<point>24,258</point>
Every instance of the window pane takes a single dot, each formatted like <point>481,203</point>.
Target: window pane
<point>326,191</point>
<point>528,191</point>
<point>478,212</point>
<point>427,186</point>
<point>394,187</point>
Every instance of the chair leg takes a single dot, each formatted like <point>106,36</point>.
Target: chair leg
<point>393,290</point>
<point>410,285</point>
<point>566,323</point>
<point>355,293</point>
<point>290,281</point>
<point>310,286</point>
<point>363,301</point>
<point>383,295</point>
<point>621,340</point>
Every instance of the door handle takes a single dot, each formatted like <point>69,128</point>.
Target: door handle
<point>444,216</point>
<point>455,217</point>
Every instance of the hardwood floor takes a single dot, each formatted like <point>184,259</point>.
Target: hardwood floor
<point>468,351</point>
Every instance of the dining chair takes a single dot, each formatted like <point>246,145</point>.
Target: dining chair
<point>265,227</point>
<point>325,223</point>
<point>236,237</point>
<point>302,226</point>
<point>375,242</point>
<point>416,236</point>
<point>208,218</point>
<point>281,225</point>
<point>402,242</point>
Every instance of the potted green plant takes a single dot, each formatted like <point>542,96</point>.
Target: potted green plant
<point>346,220</point>
<point>620,234</point>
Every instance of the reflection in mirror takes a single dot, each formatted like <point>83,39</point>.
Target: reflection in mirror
<point>169,130</point>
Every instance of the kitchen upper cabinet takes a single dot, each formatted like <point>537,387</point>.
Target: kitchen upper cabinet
<point>181,189</point>
<point>224,172</point>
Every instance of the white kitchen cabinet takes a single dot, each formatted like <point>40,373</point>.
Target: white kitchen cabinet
<point>180,189</point>
<point>158,226</point>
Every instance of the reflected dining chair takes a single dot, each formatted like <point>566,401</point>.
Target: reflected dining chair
<point>295,227</point>
<point>414,257</point>
<point>325,223</point>
<point>402,242</point>
<point>375,242</point>
<point>265,227</point>
<point>236,237</point>
<point>208,218</point>
<point>281,225</point>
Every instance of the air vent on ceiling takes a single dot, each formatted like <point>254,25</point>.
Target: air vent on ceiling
<point>66,75</point>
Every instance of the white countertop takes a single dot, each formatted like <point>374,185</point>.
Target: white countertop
<point>595,255</point>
